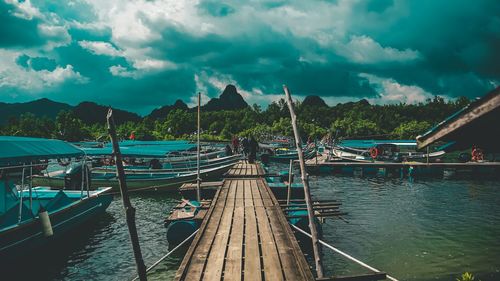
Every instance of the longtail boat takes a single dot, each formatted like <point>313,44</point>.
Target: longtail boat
<point>31,215</point>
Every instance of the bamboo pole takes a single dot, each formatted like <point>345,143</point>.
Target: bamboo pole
<point>198,179</point>
<point>129,209</point>
<point>290,176</point>
<point>305,182</point>
<point>427,155</point>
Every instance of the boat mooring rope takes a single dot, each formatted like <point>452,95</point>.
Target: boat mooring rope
<point>168,254</point>
<point>345,254</point>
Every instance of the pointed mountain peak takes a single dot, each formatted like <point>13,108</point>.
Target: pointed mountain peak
<point>230,99</point>
<point>229,91</point>
<point>314,101</point>
<point>163,111</point>
<point>180,104</point>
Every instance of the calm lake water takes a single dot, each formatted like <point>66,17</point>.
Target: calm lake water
<point>425,229</point>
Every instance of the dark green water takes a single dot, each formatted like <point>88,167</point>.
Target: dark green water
<point>430,229</point>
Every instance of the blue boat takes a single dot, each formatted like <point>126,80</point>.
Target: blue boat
<point>284,155</point>
<point>380,150</point>
<point>183,221</point>
<point>279,187</point>
<point>36,216</point>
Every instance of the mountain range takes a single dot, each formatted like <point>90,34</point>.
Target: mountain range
<point>90,112</point>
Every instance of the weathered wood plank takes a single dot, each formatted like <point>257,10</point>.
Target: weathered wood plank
<point>252,264</point>
<point>248,194</point>
<point>234,259</point>
<point>216,258</point>
<point>270,257</point>
<point>198,260</point>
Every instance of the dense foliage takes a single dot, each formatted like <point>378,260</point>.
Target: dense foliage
<point>349,120</point>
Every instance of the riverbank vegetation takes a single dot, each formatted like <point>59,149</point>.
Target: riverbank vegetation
<point>349,120</point>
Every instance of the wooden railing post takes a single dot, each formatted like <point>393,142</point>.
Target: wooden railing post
<point>198,178</point>
<point>305,182</point>
<point>290,177</point>
<point>129,209</point>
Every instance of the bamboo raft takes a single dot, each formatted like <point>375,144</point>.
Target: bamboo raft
<point>245,235</point>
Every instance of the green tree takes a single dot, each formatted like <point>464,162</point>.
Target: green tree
<point>411,130</point>
<point>69,127</point>
<point>354,128</point>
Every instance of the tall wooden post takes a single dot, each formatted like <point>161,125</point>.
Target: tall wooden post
<point>129,209</point>
<point>305,182</point>
<point>198,178</point>
<point>290,177</point>
<point>427,155</point>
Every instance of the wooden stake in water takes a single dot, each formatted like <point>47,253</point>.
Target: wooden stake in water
<point>305,182</point>
<point>198,178</point>
<point>129,209</point>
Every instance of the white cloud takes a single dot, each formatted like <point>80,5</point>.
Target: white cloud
<point>14,76</point>
<point>56,35</point>
<point>218,81</point>
<point>390,91</point>
<point>24,9</point>
<point>141,68</point>
<point>365,50</point>
<point>60,75</point>
<point>118,70</point>
<point>100,48</point>
<point>153,64</point>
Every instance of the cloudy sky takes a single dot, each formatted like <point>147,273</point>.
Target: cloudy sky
<point>139,55</point>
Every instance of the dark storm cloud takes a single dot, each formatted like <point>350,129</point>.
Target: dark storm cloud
<point>216,8</point>
<point>17,32</point>
<point>37,63</point>
<point>143,54</point>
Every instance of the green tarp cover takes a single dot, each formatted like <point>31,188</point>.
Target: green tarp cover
<point>23,149</point>
<point>373,143</point>
<point>141,151</point>
<point>124,143</point>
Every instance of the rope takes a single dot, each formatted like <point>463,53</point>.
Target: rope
<point>168,254</point>
<point>345,255</point>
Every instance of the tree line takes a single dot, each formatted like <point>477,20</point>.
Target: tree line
<point>349,120</point>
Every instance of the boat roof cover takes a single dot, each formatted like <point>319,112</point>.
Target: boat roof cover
<point>23,149</point>
<point>144,143</point>
<point>373,143</point>
<point>474,125</point>
<point>141,150</point>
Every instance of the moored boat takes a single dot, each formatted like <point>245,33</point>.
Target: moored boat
<point>34,216</point>
<point>380,150</point>
<point>145,180</point>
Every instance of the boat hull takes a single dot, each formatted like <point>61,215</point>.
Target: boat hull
<point>137,183</point>
<point>27,236</point>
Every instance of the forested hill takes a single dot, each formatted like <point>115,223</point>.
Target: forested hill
<point>230,114</point>
<point>41,107</point>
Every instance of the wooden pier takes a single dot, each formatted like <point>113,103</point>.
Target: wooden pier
<point>245,170</point>
<point>419,167</point>
<point>245,235</point>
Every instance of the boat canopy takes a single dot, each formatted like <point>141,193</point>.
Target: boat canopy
<point>24,149</point>
<point>372,143</point>
<point>124,143</point>
<point>474,125</point>
<point>154,151</point>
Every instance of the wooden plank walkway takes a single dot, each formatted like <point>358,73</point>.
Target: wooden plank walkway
<point>245,235</point>
<point>245,170</point>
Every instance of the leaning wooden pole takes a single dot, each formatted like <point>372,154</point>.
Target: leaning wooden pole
<point>290,177</point>
<point>198,178</point>
<point>305,182</point>
<point>129,209</point>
